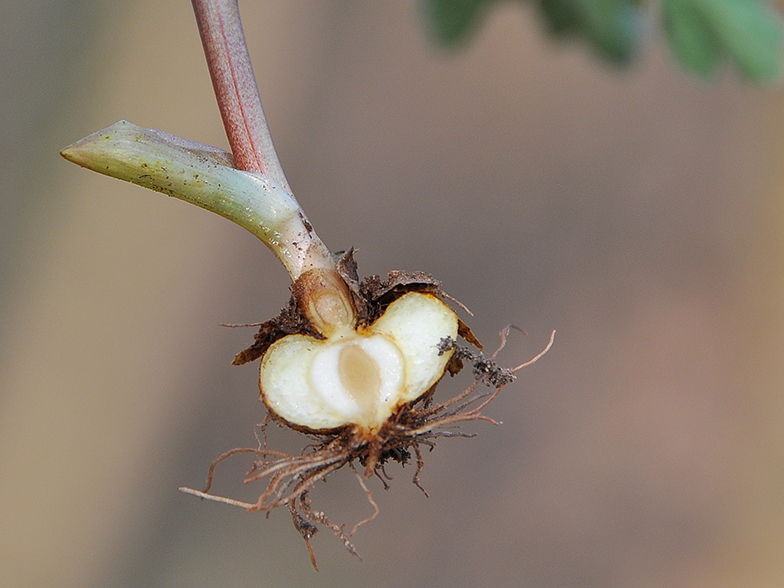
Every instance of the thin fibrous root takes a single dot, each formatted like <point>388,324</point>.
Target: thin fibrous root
<point>307,530</point>
<point>370,500</point>
<point>538,356</point>
<point>223,456</point>
<point>291,477</point>
<point>420,463</point>
<point>230,501</point>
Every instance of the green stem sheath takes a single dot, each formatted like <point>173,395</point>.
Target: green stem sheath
<point>204,176</point>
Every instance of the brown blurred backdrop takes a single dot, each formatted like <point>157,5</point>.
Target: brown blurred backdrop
<point>638,212</point>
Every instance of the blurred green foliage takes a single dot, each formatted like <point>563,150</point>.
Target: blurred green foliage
<point>703,35</point>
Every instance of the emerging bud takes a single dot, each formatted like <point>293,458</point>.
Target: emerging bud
<point>324,298</point>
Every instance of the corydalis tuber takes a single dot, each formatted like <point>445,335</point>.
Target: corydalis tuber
<point>354,362</point>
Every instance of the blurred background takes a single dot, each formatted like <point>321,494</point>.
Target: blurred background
<point>639,212</point>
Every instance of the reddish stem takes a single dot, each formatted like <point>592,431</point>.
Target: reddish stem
<point>235,88</point>
<point>320,291</point>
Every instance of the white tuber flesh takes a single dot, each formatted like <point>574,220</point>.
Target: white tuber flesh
<point>359,378</point>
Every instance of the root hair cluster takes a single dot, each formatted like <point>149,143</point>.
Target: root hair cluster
<point>290,478</point>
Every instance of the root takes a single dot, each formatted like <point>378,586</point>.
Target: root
<point>420,464</point>
<point>214,498</point>
<point>538,356</point>
<point>307,530</point>
<point>369,498</point>
<point>290,478</point>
